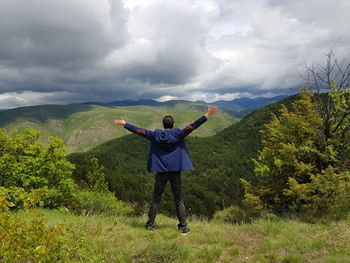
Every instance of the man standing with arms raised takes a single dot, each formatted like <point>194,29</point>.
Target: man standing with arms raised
<point>168,157</point>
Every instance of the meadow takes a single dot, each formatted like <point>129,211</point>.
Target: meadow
<point>267,239</point>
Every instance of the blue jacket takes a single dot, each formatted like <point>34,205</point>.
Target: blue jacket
<point>168,148</point>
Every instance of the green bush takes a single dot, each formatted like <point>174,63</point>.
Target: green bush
<point>326,195</point>
<point>62,195</point>
<point>303,166</point>
<point>96,177</point>
<point>89,203</point>
<point>235,214</point>
<point>15,198</point>
<point>32,241</point>
<point>23,241</point>
<point>27,164</point>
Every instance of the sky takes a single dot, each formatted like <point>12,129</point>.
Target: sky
<point>73,51</point>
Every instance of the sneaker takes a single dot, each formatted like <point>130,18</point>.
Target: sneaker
<point>184,230</point>
<point>149,226</point>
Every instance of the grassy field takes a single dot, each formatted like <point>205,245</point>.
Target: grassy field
<point>119,239</point>
<point>85,126</point>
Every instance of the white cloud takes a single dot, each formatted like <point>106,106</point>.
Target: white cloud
<point>212,97</point>
<point>166,98</point>
<point>14,99</point>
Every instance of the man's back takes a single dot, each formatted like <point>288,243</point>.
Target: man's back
<point>168,151</point>
<point>167,138</point>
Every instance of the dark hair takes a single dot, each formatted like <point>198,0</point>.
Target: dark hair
<point>168,122</point>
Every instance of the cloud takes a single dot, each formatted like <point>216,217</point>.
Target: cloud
<point>13,99</point>
<point>62,34</point>
<point>207,97</point>
<point>165,47</point>
<point>102,50</point>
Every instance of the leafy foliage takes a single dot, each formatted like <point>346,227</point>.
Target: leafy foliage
<point>33,241</point>
<point>232,214</point>
<point>90,203</point>
<point>327,193</point>
<point>27,166</point>
<point>96,177</point>
<point>19,198</point>
<point>302,166</point>
<point>23,242</point>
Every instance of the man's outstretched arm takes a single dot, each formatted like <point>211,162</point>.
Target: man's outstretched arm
<point>139,131</point>
<point>190,128</point>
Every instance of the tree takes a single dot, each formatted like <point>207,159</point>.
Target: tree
<point>290,150</point>
<point>305,161</point>
<point>96,177</point>
<point>330,82</point>
<point>27,164</point>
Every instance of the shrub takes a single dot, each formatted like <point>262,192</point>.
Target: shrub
<point>326,195</point>
<point>26,164</point>
<point>303,166</point>
<point>23,241</point>
<point>89,203</point>
<point>235,214</point>
<point>62,195</point>
<point>32,241</point>
<point>15,198</point>
<point>96,177</point>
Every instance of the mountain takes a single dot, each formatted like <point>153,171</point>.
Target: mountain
<point>144,102</point>
<point>244,104</point>
<point>219,161</point>
<point>83,126</point>
<point>237,107</point>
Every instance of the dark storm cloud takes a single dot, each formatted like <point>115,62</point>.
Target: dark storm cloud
<point>97,49</point>
<point>54,46</point>
<point>58,33</point>
<point>66,51</point>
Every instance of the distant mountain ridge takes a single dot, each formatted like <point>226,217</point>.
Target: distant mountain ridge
<point>245,103</point>
<point>241,104</point>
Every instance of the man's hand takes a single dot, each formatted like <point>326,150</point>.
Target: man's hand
<point>120,122</point>
<point>211,111</point>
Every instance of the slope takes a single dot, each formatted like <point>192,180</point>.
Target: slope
<point>84,126</point>
<point>123,239</point>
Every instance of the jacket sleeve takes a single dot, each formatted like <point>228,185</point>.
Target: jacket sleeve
<point>190,128</point>
<point>139,131</point>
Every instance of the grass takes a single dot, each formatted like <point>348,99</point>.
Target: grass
<point>124,239</point>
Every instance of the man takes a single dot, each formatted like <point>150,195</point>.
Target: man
<point>168,157</point>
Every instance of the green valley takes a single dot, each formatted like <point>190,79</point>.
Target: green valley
<point>219,162</point>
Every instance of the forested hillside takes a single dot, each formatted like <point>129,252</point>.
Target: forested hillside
<point>84,126</point>
<point>219,162</point>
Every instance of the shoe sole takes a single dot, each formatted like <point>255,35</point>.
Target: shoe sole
<point>184,234</point>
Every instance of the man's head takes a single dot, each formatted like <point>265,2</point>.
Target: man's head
<point>168,122</point>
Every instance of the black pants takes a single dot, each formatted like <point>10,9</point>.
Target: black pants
<point>159,186</point>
